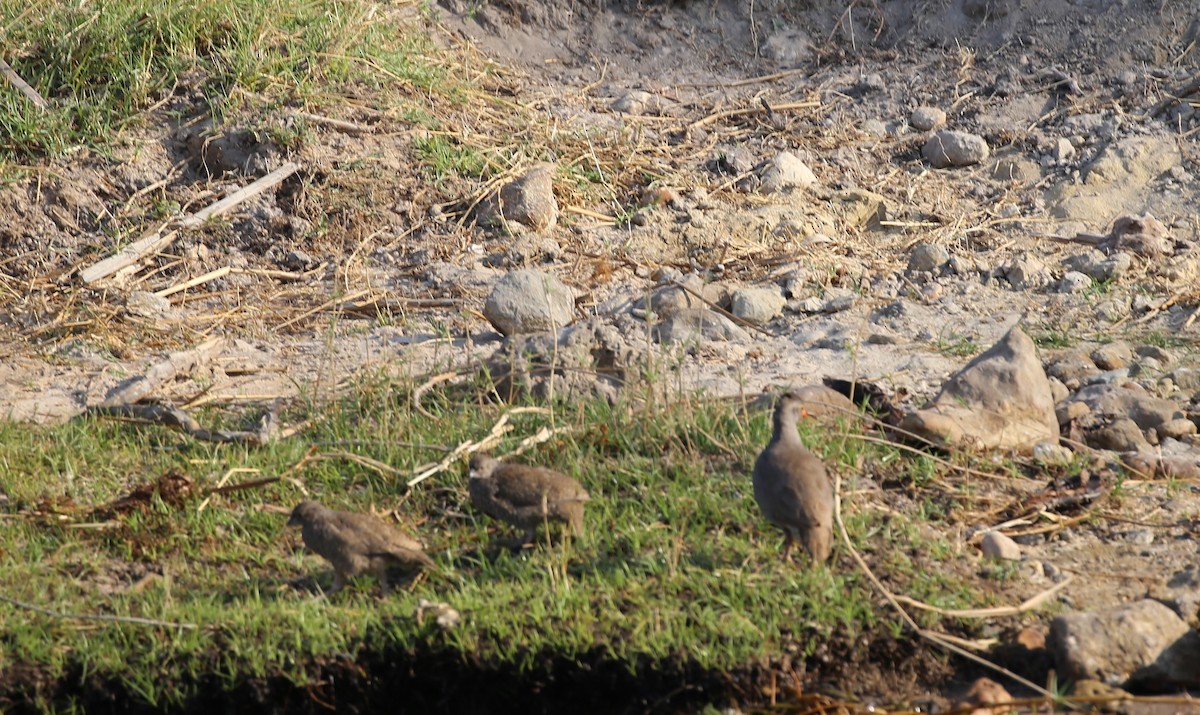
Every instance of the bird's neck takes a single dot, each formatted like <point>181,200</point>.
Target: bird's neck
<point>785,429</point>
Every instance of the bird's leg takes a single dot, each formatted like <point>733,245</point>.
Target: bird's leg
<point>382,575</point>
<point>788,541</point>
<point>339,580</point>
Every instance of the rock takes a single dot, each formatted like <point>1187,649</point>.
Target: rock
<point>1027,273</point>
<point>1145,410</point>
<point>529,301</point>
<point>835,301</point>
<point>733,160</point>
<point>785,171</point>
<point>986,696</point>
<point>1058,390</point>
<point>528,200</point>
<point>1092,689</point>
<point>1099,267</point>
<point>1074,282</point>
<point>144,304</point>
<point>757,305</point>
<point>1000,400</point>
<point>927,257</point>
<point>689,325</point>
<point>1064,151</point>
<point>664,301</point>
<point>1175,429</point>
<point>1186,378</point>
<point>1112,356</point>
<point>950,148</point>
<point>1143,235</point>
<point>1110,377</point>
<point>1120,434</point>
<point>1153,351</point>
<point>1051,453</point>
<point>927,118</point>
<point>860,208</point>
<point>823,401</point>
<point>1143,645</point>
<point>1181,593</point>
<point>1073,367</point>
<point>1015,169</point>
<point>998,546</point>
<point>637,101</point>
<point>1068,412</point>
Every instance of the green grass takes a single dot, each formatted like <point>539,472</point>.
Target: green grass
<point>676,554</point>
<point>103,65</point>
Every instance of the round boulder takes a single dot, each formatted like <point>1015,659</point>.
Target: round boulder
<point>529,301</point>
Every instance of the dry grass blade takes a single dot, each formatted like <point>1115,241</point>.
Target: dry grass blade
<point>21,85</point>
<point>96,617</point>
<point>995,612</point>
<point>425,387</point>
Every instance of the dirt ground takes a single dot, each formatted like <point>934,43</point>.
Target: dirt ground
<point>361,263</point>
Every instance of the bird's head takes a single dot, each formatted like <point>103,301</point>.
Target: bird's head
<point>481,466</point>
<point>790,407</point>
<point>304,512</point>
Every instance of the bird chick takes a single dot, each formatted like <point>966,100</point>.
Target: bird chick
<point>525,496</point>
<point>356,543</point>
<point>791,487</point>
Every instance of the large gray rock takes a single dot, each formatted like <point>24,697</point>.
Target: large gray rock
<point>1144,645</point>
<point>529,301</point>
<point>950,148</point>
<point>1000,400</point>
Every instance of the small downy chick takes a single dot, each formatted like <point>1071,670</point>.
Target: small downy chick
<point>791,487</point>
<point>356,543</point>
<point>525,496</point>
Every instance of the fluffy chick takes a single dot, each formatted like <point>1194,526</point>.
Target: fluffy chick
<point>356,543</point>
<point>525,496</point>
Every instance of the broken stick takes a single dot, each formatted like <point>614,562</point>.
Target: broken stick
<point>157,240</point>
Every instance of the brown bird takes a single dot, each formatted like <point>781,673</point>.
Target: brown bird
<point>791,487</point>
<point>355,543</point>
<point>525,496</point>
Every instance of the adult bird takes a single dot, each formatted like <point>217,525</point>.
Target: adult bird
<point>525,496</point>
<point>791,486</point>
<point>356,543</point>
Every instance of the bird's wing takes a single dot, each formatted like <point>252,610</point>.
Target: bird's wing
<point>374,536</point>
<point>531,486</point>
<point>800,494</point>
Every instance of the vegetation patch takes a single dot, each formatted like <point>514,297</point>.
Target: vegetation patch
<point>200,589</point>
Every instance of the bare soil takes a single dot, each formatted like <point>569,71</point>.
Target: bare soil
<point>365,264</point>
